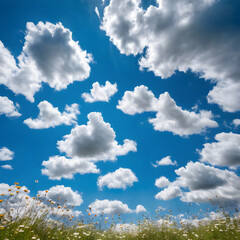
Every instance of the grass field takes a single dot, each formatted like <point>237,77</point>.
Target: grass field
<point>25,217</point>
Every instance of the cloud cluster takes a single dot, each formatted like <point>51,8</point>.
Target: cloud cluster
<point>121,178</point>
<point>100,92</point>
<point>8,108</point>
<point>6,154</point>
<point>169,116</point>
<point>181,35</point>
<point>204,183</point>
<point>49,55</point>
<point>85,145</point>
<point>224,152</point>
<point>50,116</point>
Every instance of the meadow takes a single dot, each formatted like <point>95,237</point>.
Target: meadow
<point>23,217</point>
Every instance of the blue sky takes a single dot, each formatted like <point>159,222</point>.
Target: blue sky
<point>191,52</point>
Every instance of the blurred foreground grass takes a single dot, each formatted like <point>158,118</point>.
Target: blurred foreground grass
<point>41,228</point>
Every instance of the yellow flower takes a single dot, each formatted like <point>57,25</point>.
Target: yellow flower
<point>2,194</point>
<point>11,194</point>
<point>46,191</point>
<point>17,191</point>
<point>9,190</point>
<point>25,190</point>
<point>59,207</point>
<point>18,187</point>
<point>16,183</point>
<point>1,200</point>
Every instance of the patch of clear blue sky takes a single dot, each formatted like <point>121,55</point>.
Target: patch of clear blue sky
<point>31,147</point>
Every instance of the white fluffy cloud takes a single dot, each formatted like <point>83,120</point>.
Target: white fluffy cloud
<point>85,145</point>
<point>121,178</point>
<point>138,101</point>
<point>8,108</point>
<point>109,207</point>
<point>169,117</point>
<point>173,118</point>
<point>181,35</point>
<point>204,184</point>
<point>95,141</point>
<point>6,154</point>
<point>224,152</point>
<point>58,167</point>
<point>236,122</point>
<point>49,55</point>
<point>169,193</point>
<point>162,182</point>
<point>100,92</point>
<point>7,166</point>
<point>140,209</point>
<point>165,162</point>
<point>62,195</point>
<point>50,116</point>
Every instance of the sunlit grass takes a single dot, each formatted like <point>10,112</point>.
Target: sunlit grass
<point>31,218</point>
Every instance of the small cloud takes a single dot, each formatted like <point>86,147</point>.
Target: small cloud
<point>100,93</point>
<point>9,167</point>
<point>6,154</point>
<point>164,162</point>
<point>97,12</point>
<point>50,116</point>
<point>140,209</point>
<point>8,108</point>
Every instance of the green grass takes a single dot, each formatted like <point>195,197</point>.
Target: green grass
<point>41,228</point>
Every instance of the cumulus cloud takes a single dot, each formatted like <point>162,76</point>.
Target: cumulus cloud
<point>7,166</point>
<point>181,35</point>
<point>8,108</point>
<point>100,92</point>
<point>50,116</point>
<point>236,122</point>
<point>6,154</point>
<point>61,195</point>
<point>95,141</point>
<point>165,162</point>
<point>85,145</point>
<point>109,207</point>
<point>58,167</point>
<point>49,55</point>
<point>140,209</point>
<point>138,101</point>
<point>121,178</point>
<point>169,193</point>
<point>162,182</point>
<point>173,118</point>
<point>169,116</point>
<point>224,152</point>
<point>204,184</point>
